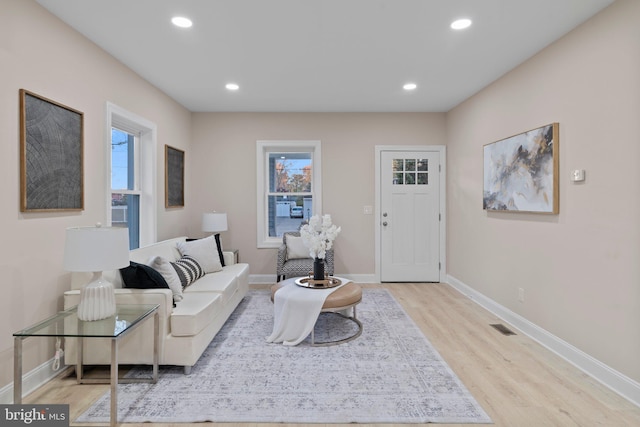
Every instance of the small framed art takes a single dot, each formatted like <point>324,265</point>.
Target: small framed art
<point>173,177</point>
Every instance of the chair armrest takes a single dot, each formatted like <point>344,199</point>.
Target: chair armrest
<point>229,257</point>
<point>282,257</point>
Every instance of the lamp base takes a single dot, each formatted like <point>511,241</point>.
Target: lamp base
<point>97,299</point>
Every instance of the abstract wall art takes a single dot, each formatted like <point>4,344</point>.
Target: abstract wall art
<point>51,155</point>
<point>521,172</point>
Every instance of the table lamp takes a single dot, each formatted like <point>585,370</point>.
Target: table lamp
<point>215,222</point>
<point>96,249</point>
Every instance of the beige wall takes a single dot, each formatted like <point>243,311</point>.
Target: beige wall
<point>580,269</point>
<point>41,54</point>
<point>224,156</point>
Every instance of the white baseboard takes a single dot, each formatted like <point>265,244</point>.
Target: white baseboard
<point>262,279</point>
<point>31,381</point>
<point>621,384</point>
<point>265,279</point>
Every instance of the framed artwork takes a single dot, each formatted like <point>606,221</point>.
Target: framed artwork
<point>51,155</point>
<point>521,172</point>
<point>173,177</point>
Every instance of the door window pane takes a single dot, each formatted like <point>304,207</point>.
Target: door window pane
<point>404,171</point>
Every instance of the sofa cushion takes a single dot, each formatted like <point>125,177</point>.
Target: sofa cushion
<point>194,313</point>
<point>222,282</point>
<point>166,249</point>
<point>205,251</point>
<point>142,276</point>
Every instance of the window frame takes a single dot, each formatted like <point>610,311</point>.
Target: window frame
<point>145,168</point>
<point>263,149</point>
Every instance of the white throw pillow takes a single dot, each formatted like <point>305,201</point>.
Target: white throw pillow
<point>166,270</point>
<point>205,251</point>
<point>296,248</point>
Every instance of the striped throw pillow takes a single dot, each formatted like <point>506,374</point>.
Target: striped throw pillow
<point>188,270</point>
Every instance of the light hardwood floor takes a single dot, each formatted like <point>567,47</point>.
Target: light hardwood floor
<point>517,381</point>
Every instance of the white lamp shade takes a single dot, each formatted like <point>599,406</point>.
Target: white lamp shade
<point>96,248</point>
<point>214,222</point>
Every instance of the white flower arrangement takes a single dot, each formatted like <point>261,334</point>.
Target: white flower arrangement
<point>319,235</point>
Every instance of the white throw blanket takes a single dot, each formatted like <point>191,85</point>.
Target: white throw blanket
<point>295,311</point>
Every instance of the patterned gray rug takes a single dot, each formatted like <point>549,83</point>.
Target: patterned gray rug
<point>390,374</point>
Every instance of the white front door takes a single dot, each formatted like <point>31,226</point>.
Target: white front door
<point>410,216</point>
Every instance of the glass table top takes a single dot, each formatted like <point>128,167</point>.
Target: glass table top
<point>66,323</point>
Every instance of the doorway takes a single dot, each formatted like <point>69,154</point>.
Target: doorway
<point>410,205</point>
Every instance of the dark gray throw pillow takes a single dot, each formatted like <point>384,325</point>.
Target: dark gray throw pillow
<point>142,276</point>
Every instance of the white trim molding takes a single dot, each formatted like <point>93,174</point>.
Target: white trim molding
<point>616,381</point>
<point>263,149</point>
<point>31,381</point>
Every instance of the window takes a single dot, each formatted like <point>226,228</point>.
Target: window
<point>132,184</point>
<point>289,187</point>
<point>410,171</point>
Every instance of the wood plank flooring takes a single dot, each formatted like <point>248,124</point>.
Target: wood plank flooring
<point>517,381</point>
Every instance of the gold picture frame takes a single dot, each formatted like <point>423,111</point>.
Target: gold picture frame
<point>521,173</point>
<point>51,155</point>
<point>173,177</point>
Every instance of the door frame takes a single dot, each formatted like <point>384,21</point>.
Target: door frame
<point>441,149</point>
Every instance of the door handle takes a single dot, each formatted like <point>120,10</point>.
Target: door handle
<point>384,223</point>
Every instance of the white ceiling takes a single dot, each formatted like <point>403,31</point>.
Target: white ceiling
<point>322,55</point>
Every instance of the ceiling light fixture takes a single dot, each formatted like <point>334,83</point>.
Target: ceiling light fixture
<point>409,86</point>
<point>181,21</point>
<point>461,24</point>
<point>232,86</point>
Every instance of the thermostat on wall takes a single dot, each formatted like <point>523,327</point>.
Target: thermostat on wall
<point>577,175</point>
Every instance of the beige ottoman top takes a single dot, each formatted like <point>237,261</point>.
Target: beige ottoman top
<point>346,295</point>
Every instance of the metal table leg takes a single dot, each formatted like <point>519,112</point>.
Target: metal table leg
<point>17,370</point>
<point>114,382</point>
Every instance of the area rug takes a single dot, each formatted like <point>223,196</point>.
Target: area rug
<point>390,374</point>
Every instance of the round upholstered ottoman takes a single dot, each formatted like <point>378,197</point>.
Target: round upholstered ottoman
<point>339,302</point>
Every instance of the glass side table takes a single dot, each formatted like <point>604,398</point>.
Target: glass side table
<point>66,324</point>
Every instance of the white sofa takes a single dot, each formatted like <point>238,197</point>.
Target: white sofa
<point>185,330</point>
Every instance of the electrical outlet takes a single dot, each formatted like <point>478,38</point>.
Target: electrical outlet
<point>521,294</point>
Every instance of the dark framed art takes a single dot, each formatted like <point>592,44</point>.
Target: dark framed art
<point>51,155</point>
<point>521,172</point>
<point>173,177</point>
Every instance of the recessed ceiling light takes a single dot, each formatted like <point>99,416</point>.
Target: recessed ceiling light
<point>409,86</point>
<point>461,24</point>
<point>232,86</point>
<point>181,21</point>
